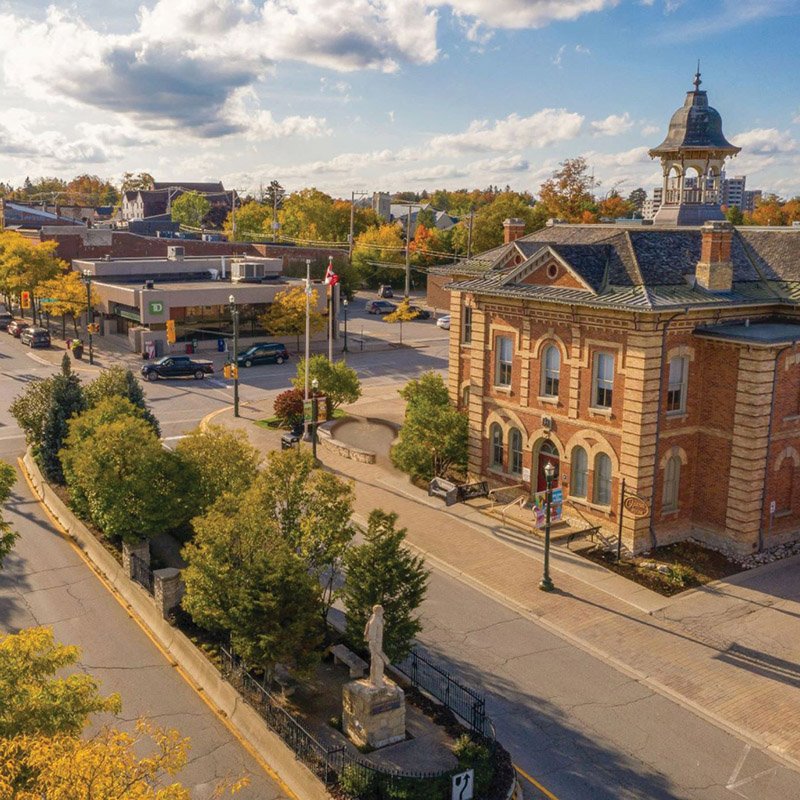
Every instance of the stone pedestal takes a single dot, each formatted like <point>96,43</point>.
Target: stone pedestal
<point>168,589</point>
<point>140,549</point>
<point>373,716</point>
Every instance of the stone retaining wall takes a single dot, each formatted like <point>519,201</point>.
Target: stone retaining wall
<point>326,440</point>
<point>244,719</point>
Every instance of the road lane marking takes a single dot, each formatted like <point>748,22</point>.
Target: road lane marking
<point>126,607</point>
<point>533,782</point>
<point>739,764</point>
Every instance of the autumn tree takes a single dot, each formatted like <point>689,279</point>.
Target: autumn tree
<point>190,209</point>
<point>90,190</point>
<point>251,218</point>
<point>288,408</point>
<point>403,313</point>
<point>134,182</point>
<point>286,316</point>
<point>313,215</point>
<point>25,264</point>
<point>375,246</point>
<point>337,381</point>
<point>487,228</point>
<point>66,296</point>
<point>383,571</point>
<point>614,207</point>
<point>8,477</point>
<point>568,193</point>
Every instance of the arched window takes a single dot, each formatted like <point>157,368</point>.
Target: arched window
<point>580,472</point>
<point>602,479</point>
<point>465,397</point>
<point>551,371</point>
<point>515,452</point>
<point>496,441</point>
<point>672,482</point>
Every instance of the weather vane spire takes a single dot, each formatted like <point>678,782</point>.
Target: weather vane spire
<point>697,80</point>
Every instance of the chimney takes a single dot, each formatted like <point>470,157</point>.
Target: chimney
<point>714,270</point>
<point>513,228</point>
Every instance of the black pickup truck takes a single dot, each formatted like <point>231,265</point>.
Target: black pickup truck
<point>177,367</point>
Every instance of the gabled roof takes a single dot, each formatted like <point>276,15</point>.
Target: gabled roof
<point>190,187</point>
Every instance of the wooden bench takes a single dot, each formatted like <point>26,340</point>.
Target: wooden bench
<point>344,655</point>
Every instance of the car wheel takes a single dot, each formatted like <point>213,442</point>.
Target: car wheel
<point>248,363</point>
<point>279,360</point>
<point>152,375</point>
<point>199,374</point>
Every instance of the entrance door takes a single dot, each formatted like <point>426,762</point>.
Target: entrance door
<point>548,454</point>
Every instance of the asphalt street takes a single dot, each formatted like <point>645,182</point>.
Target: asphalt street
<point>577,726</point>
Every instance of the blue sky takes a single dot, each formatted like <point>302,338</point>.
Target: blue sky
<point>390,94</point>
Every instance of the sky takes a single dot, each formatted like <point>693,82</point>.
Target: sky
<point>390,95</point>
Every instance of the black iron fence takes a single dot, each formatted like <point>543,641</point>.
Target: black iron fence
<point>464,702</point>
<point>141,572</point>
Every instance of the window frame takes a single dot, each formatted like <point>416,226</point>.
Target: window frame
<point>680,387</point>
<point>602,485</point>
<point>551,377</point>
<point>579,477</point>
<point>496,446</point>
<point>670,493</point>
<point>602,396</point>
<point>503,368</point>
<point>466,325</point>
<point>515,454</point>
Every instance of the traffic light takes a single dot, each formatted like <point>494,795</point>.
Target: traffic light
<point>235,371</point>
<point>171,331</point>
<point>93,327</point>
<point>226,371</point>
<point>25,299</point>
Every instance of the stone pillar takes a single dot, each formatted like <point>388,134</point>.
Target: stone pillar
<point>373,716</point>
<point>168,588</point>
<point>749,448</point>
<point>141,550</point>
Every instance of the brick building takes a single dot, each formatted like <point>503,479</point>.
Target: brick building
<point>667,357</point>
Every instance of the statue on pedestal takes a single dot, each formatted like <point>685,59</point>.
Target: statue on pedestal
<point>373,635</point>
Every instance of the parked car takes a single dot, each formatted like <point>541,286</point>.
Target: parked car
<point>444,322</point>
<point>6,318</point>
<point>35,337</point>
<point>177,367</point>
<point>263,354</point>
<point>380,307</point>
<point>384,290</point>
<point>16,326</point>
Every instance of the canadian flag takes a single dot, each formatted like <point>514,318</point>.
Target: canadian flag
<point>331,278</point>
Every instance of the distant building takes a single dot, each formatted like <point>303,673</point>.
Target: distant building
<point>141,204</point>
<point>22,215</point>
<point>382,205</point>
<point>652,204</point>
<point>732,193</point>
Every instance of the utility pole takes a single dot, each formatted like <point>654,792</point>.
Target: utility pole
<point>233,219</point>
<point>87,279</point>
<point>469,233</point>
<point>274,215</point>
<point>307,435</point>
<point>408,254</point>
<point>235,363</point>
<point>352,225</point>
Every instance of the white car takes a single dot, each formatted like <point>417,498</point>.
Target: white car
<point>444,322</point>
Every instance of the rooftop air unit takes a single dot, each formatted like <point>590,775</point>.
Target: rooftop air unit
<point>254,270</point>
<point>175,252</point>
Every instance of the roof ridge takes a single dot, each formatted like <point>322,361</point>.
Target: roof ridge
<point>638,269</point>
<point>746,248</point>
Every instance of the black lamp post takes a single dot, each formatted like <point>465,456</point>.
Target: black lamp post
<point>344,305</point>
<point>235,362</point>
<point>546,584</point>
<point>87,279</point>
<point>314,417</point>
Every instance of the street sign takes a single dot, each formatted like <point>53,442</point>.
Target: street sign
<point>636,506</point>
<point>155,307</point>
<point>463,785</point>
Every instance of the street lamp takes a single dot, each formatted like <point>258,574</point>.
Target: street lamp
<point>87,279</point>
<point>345,304</point>
<point>546,584</point>
<point>235,364</point>
<point>314,417</point>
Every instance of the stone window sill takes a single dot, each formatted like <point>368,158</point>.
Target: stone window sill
<point>593,506</point>
<point>598,411</point>
<point>676,415</point>
<point>553,401</point>
<point>670,512</point>
<point>792,418</point>
<point>785,513</point>
<point>503,389</point>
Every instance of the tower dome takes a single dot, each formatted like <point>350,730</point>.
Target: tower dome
<point>692,157</point>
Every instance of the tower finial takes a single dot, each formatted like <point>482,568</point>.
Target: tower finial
<point>697,80</point>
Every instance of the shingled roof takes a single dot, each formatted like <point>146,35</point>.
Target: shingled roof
<point>640,268</point>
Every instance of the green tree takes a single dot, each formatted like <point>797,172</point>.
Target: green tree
<point>433,438</point>
<point>30,410</point>
<point>34,701</point>
<point>251,218</point>
<point>190,209</point>
<point>734,215</point>
<point>286,315</point>
<point>312,509</point>
<point>133,182</point>
<point>120,382</point>
<point>217,460</point>
<point>8,477</point>
<point>383,571</point>
<point>244,581</point>
<point>337,381</point>
<point>637,199</point>
<point>133,487</point>
<point>66,400</point>
<point>487,229</point>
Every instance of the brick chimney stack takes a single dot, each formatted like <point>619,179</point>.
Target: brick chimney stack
<point>714,270</point>
<point>513,228</point>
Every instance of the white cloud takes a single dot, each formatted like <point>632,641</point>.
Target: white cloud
<point>559,56</point>
<point>765,141</point>
<point>650,130</point>
<point>525,13</point>
<point>579,48</point>
<point>541,129</point>
<point>244,112</point>
<point>626,158</point>
<point>501,165</point>
<point>612,125</point>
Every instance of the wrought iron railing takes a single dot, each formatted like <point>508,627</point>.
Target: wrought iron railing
<point>141,572</point>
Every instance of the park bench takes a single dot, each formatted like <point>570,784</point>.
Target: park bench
<point>447,490</point>
<point>344,655</point>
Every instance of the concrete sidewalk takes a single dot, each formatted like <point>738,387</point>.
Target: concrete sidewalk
<point>697,648</point>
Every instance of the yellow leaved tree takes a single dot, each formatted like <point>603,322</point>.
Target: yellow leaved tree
<point>287,314</point>
<point>66,296</point>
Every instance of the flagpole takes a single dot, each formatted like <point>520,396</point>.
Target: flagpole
<point>330,286</point>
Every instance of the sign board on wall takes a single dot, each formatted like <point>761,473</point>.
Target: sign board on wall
<point>526,474</point>
<point>155,307</point>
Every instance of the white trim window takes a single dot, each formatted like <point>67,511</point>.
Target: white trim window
<point>505,356</point>
<point>677,384</point>
<point>466,325</point>
<point>515,452</point>
<point>496,446</point>
<point>672,483</point>
<point>603,382</point>
<point>602,480</point>
<point>579,482</point>
<point>551,371</point>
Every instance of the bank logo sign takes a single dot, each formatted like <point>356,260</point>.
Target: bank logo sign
<point>155,307</point>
